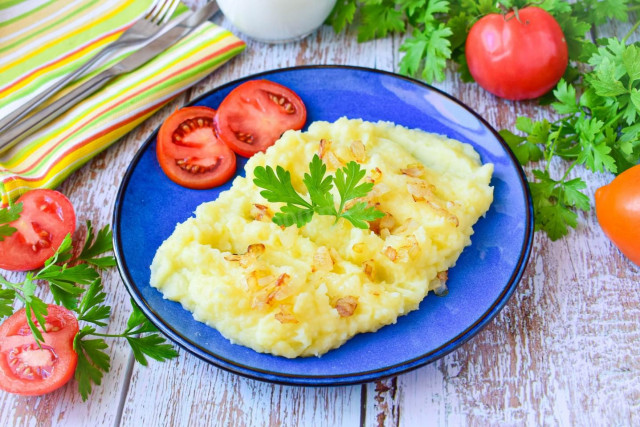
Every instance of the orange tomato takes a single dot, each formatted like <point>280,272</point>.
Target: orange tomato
<point>618,211</point>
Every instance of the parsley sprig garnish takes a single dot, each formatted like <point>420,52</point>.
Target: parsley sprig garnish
<point>93,360</point>
<point>79,288</point>
<point>299,211</point>
<point>597,127</point>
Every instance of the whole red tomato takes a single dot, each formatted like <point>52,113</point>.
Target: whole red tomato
<point>618,210</point>
<point>517,57</point>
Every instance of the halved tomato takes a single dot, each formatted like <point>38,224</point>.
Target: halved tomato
<point>189,151</point>
<point>47,217</point>
<point>30,370</point>
<point>255,114</point>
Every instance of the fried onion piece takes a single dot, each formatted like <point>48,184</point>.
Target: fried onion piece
<point>261,212</point>
<point>391,253</point>
<point>346,306</point>
<point>422,191</point>
<point>248,258</point>
<point>285,315</point>
<point>414,170</point>
<point>276,290</point>
<point>322,260</point>
<point>358,151</point>
<point>369,269</point>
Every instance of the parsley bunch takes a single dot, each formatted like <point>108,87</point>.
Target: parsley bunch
<point>79,289</point>
<point>598,127</point>
<point>437,29</point>
<point>597,103</point>
<point>297,210</point>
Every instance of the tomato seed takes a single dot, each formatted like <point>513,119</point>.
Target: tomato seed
<point>187,166</point>
<point>244,137</point>
<point>282,102</point>
<point>189,126</point>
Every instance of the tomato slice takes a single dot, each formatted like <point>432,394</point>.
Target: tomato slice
<point>28,369</point>
<point>47,217</point>
<point>255,114</point>
<point>189,152</point>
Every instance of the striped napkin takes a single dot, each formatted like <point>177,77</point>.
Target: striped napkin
<point>41,40</point>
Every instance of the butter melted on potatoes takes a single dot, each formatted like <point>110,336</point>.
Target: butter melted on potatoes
<point>302,292</point>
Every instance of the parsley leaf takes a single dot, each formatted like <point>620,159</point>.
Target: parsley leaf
<point>342,14</point>
<point>7,296</point>
<point>92,360</point>
<point>278,189</point>
<point>565,94</point>
<point>595,152</point>
<point>34,307</point>
<point>347,180</point>
<point>552,201</point>
<point>152,345</point>
<point>319,185</point>
<point>427,50</point>
<point>8,215</point>
<point>573,196</point>
<point>524,151</point>
<point>62,282</point>
<point>91,308</point>
<point>92,248</point>
<point>379,19</point>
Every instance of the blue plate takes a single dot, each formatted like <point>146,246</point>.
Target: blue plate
<point>149,205</point>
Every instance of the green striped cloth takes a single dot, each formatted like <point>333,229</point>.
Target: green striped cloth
<point>42,40</point>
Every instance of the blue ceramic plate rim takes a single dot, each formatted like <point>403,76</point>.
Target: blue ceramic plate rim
<point>343,378</point>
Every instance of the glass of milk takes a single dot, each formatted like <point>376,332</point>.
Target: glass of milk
<point>276,21</point>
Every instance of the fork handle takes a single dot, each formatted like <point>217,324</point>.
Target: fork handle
<point>17,114</point>
<point>31,124</point>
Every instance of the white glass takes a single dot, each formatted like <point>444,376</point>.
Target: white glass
<point>276,21</point>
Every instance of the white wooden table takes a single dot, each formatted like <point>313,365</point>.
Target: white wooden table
<point>564,350</point>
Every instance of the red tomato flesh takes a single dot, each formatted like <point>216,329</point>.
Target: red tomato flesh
<point>47,217</point>
<point>189,152</point>
<point>28,369</point>
<point>254,115</point>
<point>519,57</point>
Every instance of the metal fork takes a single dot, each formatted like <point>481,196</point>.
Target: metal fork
<point>141,30</point>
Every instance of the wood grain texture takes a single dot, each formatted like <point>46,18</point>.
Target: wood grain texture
<point>563,351</point>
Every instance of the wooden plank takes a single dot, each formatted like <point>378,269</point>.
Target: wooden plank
<point>191,392</point>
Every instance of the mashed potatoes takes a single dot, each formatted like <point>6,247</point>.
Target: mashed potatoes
<point>301,292</point>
